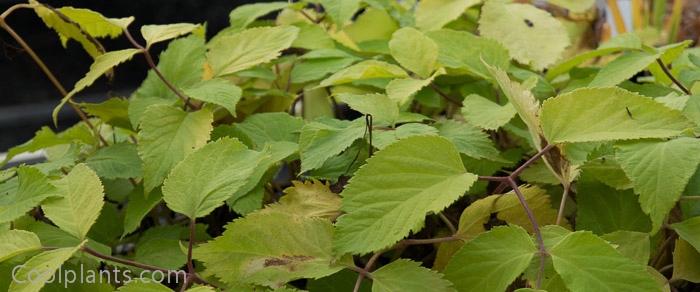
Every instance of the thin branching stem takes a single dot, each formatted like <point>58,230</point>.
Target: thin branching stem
<point>447,222</point>
<point>562,204</point>
<point>45,69</point>
<point>154,67</point>
<point>535,228</point>
<point>670,76</point>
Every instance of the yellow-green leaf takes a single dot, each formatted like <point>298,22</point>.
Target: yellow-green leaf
<point>532,36</point>
<point>158,33</point>
<point>415,51</point>
<point>605,114</point>
<point>81,201</point>
<point>102,65</point>
<point>229,54</point>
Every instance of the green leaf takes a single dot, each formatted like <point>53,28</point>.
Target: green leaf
<point>103,64</point>
<point>623,68</point>
<point>208,177</point>
<point>229,54</point>
<point>686,262</point>
<point>302,249</point>
<point>161,247</point>
<point>522,99</point>
<point>138,207</point>
<point>602,209</point>
<point>114,111</point>
<point>216,91</point>
<point>317,68</point>
<point>605,114</point>
<point>626,41</point>
<point>319,141</point>
<point>492,260</point>
<point>659,171</point>
<point>632,244</point>
<point>588,263</point>
<point>463,50</point>
<point>144,285</point>
<point>41,268</point>
<point>507,208</point>
<point>389,197</point>
<point>33,188</point>
<point>369,69</point>
<point>168,135</point>
<point>414,51</point>
<point>689,230</point>
<point>45,138</point>
<point>576,6</point>
<point>244,15</point>
<point>338,282</point>
<point>340,11</point>
<point>469,140</point>
<point>88,21</point>
<point>270,127</point>
<point>434,14</point>
<point>16,242</point>
<point>80,203</point>
<point>308,199</point>
<point>119,160</point>
<point>158,33</point>
<point>383,138</point>
<point>402,90</point>
<point>486,114</point>
<point>532,36</point>
<point>381,107</point>
<point>182,63</point>
<point>409,276</point>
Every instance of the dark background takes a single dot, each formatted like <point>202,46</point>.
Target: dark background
<point>27,97</point>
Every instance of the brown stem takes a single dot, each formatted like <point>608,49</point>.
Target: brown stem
<point>427,241</point>
<point>154,67</point>
<point>562,204</point>
<point>37,60</point>
<point>690,198</point>
<point>670,76</point>
<point>190,265</point>
<point>445,95</point>
<point>366,271</point>
<point>127,262</point>
<point>535,228</point>
<point>530,161</point>
<point>447,222</point>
